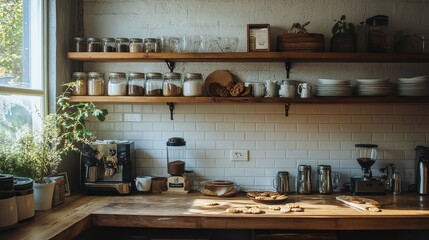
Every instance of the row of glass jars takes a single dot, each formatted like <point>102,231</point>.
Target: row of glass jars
<point>116,45</point>
<point>138,84</point>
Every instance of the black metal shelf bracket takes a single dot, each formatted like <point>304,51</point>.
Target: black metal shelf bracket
<point>288,66</point>
<point>287,105</point>
<point>170,64</point>
<point>171,107</point>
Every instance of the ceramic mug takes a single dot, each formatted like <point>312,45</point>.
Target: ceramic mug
<point>143,183</point>
<point>304,90</point>
<point>258,89</point>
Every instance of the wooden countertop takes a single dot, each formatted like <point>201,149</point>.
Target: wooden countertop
<point>168,210</point>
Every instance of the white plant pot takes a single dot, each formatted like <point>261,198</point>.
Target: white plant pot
<point>43,194</point>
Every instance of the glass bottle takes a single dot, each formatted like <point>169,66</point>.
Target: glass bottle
<point>122,45</point>
<point>136,84</point>
<point>95,84</point>
<point>378,35</point>
<point>136,45</point>
<point>117,85</point>
<point>193,85</point>
<point>150,45</point>
<point>153,85</point>
<point>94,45</point>
<point>81,79</point>
<point>108,44</point>
<point>79,44</point>
<point>172,84</point>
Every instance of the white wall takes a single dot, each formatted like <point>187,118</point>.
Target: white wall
<point>312,134</point>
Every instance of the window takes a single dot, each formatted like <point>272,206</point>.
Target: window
<point>22,63</point>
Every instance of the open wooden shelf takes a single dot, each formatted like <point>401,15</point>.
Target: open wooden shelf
<point>318,100</point>
<point>249,57</point>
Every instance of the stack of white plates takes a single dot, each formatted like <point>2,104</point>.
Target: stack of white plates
<point>333,88</point>
<point>374,87</point>
<point>415,86</point>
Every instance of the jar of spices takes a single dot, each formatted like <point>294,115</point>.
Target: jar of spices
<point>193,85</point>
<point>81,80</point>
<point>117,85</point>
<point>378,35</point>
<point>122,45</point>
<point>79,44</point>
<point>136,45</point>
<point>94,45</point>
<point>149,45</point>
<point>95,84</point>
<point>136,84</point>
<point>172,84</point>
<point>108,44</point>
<point>153,85</point>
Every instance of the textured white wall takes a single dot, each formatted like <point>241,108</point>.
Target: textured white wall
<point>312,134</point>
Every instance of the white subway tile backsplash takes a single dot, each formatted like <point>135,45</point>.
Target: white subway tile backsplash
<point>318,118</point>
<point>275,136</point>
<point>340,136</point>
<point>235,136</point>
<point>150,117</point>
<point>194,117</point>
<point>329,127</point>
<point>244,145</point>
<point>275,154</point>
<point>307,145</point>
<point>255,118</point>
<point>246,127</point>
<point>216,118</point>
<point>184,127</point>
<point>255,136</point>
<point>234,172</point>
<point>265,127</point>
<point>286,144</point>
<point>341,119</point>
<point>255,172</point>
<point>265,145</point>
<point>329,145</point>
<point>310,127</point>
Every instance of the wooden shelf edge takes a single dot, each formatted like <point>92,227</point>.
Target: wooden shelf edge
<point>319,100</point>
<point>249,57</point>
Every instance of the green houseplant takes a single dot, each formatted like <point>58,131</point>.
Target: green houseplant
<point>344,36</point>
<point>37,153</point>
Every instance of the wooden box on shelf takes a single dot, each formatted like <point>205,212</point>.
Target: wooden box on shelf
<point>258,38</point>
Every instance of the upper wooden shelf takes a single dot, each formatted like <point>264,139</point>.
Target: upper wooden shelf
<point>338,100</point>
<point>249,57</point>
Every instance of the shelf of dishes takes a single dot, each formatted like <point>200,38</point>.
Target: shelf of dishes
<point>248,57</point>
<point>315,100</point>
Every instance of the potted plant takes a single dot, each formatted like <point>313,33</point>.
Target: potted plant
<point>37,153</point>
<point>345,35</point>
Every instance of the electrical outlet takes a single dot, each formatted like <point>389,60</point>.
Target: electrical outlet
<point>239,155</point>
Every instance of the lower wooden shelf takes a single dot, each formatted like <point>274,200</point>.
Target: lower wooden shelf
<point>316,100</point>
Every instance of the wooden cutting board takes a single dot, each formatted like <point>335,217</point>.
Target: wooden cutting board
<point>223,77</point>
<point>360,203</point>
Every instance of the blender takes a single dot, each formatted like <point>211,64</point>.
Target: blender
<point>366,155</point>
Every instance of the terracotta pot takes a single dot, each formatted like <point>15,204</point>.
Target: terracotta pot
<point>343,42</point>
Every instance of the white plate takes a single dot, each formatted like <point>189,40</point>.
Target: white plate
<point>414,80</point>
<point>372,81</point>
<point>324,81</point>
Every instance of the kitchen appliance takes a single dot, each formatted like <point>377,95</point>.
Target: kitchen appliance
<point>176,155</point>
<point>108,166</point>
<point>422,178</point>
<point>324,179</point>
<point>281,182</point>
<point>23,188</point>
<point>8,207</point>
<point>304,179</point>
<point>366,155</point>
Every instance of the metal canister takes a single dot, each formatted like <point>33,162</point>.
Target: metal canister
<point>324,179</point>
<point>304,179</point>
<point>281,182</point>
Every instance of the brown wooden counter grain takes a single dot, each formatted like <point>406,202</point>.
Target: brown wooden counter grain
<point>166,210</point>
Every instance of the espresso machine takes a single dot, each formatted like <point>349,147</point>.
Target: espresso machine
<point>366,155</point>
<point>108,166</point>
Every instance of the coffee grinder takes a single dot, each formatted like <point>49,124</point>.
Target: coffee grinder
<point>366,155</point>
<point>178,180</point>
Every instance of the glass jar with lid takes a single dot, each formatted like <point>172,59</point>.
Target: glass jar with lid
<point>172,84</point>
<point>377,35</point>
<point>136,84</point>
<point>122,45</point>
<point>108,44</point>
<point>117,85</point>
<point>287,89</point>
<point>79,44</point>
<point>95,84</point>
<point>136,45</point>
<point>193,85</point>
<point>153,85</point>
<point>94,45</point>
<point>81,80</point>
<point>149,45</point>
